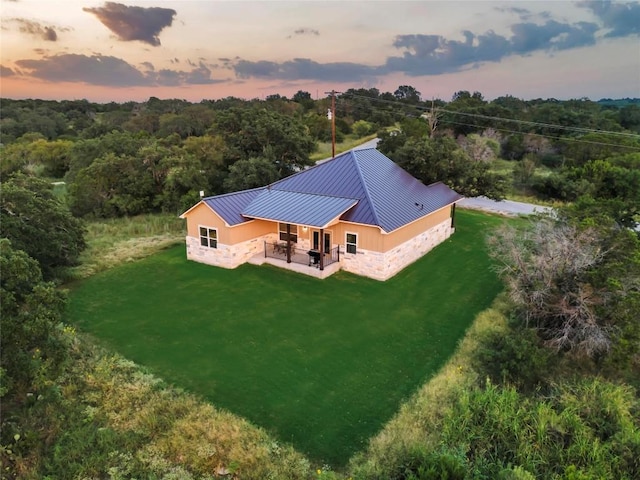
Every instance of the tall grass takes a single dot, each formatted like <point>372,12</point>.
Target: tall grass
<point>112,419</point>
<point>111,242</point>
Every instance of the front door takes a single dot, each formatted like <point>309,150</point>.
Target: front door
<point>327,241</point>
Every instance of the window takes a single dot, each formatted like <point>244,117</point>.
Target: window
<point>352,243</point>
<point>293,236</point>
<point>208,237</point>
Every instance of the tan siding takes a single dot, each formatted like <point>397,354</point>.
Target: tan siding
<point>369,238</point>
<point>411,230</point>
<point>203,215</point>
<point>249,230</point>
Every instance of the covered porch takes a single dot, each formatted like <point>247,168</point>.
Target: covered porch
<point>304,243</point>
<point>299,260</point>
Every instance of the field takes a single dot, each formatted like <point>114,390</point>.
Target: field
<point>320,364</point>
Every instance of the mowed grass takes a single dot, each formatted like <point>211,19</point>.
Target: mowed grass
<point>321,364</point>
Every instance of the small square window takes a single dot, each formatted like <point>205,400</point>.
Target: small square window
<point>209,237</point>
<point>352,243</point>
<point>293,235</point>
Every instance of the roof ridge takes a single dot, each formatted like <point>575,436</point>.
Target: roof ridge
<point>316,194</point>
<point>365,187</point>
<point>228,194</point>
<point>311,167</point>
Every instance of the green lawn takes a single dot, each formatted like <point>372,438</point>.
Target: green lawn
<point>322,364</point>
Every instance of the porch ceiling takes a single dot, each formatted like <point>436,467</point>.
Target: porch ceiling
<point>298,208</point>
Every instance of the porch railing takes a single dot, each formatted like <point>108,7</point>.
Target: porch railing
<point>300,256</point>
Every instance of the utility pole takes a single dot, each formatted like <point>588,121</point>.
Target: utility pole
<point>332,117</point>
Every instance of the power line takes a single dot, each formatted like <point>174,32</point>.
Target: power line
<point>539,124</point>
<point>568,139</point>
<point>501,119</point>
<point>559,138</point>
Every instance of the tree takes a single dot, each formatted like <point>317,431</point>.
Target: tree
<point>84,152</point>
<point>407,93</point>
<point>304,99</point>
<point>32,344</point>
<point>113,186</point>
<point>251,173</point>
<point>479,148</point>
<point>262,133</point>
<point>471,108</point>
<point>574,285</point>
<point>362,128</point>
<point>630,117</point>
<point>441,159</point>
<point>38,223</point>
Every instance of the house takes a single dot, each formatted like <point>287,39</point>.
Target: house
<point>358,212</point>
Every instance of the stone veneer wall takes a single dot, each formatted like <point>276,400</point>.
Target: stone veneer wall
<point>226,256</point>
<point>381,266</point>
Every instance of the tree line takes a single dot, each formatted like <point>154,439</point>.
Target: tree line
<point>171,150</point>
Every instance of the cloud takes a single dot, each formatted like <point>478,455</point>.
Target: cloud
<point>6,71</point>
<point>521,12</point>
<point>622,19</point>
<point>434,54</point>
<point>110,71</point>
<point>134,23</point>
<point>94,70</point>
<point>304,68</point>
<point>199,76</point>
<point>530,37</point>
<point>305,31</point>
<point>30,27</point>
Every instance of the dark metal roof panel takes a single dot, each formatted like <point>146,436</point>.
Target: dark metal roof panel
<point>229,206</point>
<point>337,177</point>
<point>298,208</point>
<point>396,197</point>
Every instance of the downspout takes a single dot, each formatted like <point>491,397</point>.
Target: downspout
<point>288,243</point>
<point>453,216</point>
<point>322,249</point>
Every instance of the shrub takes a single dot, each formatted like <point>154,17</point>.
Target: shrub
<point>512,356</point>
<point>422,463</point>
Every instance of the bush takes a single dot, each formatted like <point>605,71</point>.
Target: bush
<point>514,357</point>
<point>422,463</point>
<point>589,424</point>
<point>362,128</point>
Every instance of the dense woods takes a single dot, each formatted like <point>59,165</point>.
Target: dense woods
<point>170,150</point>
<point>558,372</point>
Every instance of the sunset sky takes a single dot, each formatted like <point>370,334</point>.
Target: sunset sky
<point>197,49</point>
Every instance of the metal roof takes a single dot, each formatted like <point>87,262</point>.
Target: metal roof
<point>299,208</point>
<point>396,197</point>
<point>389,196</point>
<point>363,185</point>
<point>230,205</point>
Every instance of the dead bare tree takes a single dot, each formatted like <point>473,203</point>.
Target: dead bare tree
<point>547,270</point>
<point>432,117</point>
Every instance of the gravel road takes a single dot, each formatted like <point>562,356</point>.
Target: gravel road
<point>503,207</point>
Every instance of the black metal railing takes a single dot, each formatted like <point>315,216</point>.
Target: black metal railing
<point>279,250</point>
<point>297,255</point>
